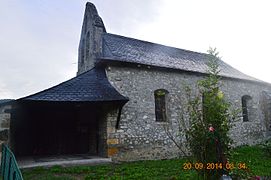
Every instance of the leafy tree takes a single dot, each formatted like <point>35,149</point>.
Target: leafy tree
<point>208,135</point>
<point>207,126</point>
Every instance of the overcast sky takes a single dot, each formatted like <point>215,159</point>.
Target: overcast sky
<point>39,38</point>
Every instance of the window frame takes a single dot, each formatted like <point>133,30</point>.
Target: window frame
<point>161,101</point>
<point>245,108</point>
<point>82,52</point>
<point>87,45</point>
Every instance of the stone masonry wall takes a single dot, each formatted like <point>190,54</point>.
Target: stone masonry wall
<point>139,135</point>
<point>90,45</point>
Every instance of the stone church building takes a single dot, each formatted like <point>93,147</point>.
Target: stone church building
<point>112,108</point>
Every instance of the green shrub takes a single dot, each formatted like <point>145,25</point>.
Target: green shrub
<point>267,147</point>
<point>210,117</point>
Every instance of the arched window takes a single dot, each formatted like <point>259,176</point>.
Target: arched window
<point>86,24</point>
<point>87,46</point>
<point>246,107</point>
<point>82,52</point>
<point>160,96</point>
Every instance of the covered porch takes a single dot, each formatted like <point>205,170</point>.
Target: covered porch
<point>43,129</point>
<point>67,119</point>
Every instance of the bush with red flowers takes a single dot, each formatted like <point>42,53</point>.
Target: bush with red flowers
<point>210,116</point>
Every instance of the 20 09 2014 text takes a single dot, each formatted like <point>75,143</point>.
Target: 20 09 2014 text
<point>214,166</point>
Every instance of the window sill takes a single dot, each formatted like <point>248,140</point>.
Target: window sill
<point>162,122</point>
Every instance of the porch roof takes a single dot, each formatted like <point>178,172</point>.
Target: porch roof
<point>91,86</point>
<point>5,101</point>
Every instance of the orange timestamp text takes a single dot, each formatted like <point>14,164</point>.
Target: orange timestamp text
<point>214,166</point>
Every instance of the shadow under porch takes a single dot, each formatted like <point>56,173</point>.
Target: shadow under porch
<point>48,128</point>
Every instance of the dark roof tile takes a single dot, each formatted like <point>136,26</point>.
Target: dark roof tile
<point>89,86</point>
<point>5,101</point>
<point>124,49</point>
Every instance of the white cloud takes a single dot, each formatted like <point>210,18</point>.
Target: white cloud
<point>239,29</point>
<point>36,47</point>
<point>5,93</point>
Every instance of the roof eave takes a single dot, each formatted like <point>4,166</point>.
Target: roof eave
<point>109,60</point>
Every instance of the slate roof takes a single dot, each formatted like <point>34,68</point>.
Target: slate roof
<point>5,101</point>
<point>124,49</point>
<point>89,86</point>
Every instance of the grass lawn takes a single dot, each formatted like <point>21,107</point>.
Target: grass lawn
<point>253,157</point>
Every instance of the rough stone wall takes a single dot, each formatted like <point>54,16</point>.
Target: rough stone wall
<point>113,138</point>
<point>4,123</point>
<point>255,130</point>
<point>90,46</point>
<point>103,132</point>
<point>139,135</point>
<point>266,107</point>
<point>109,136</point>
